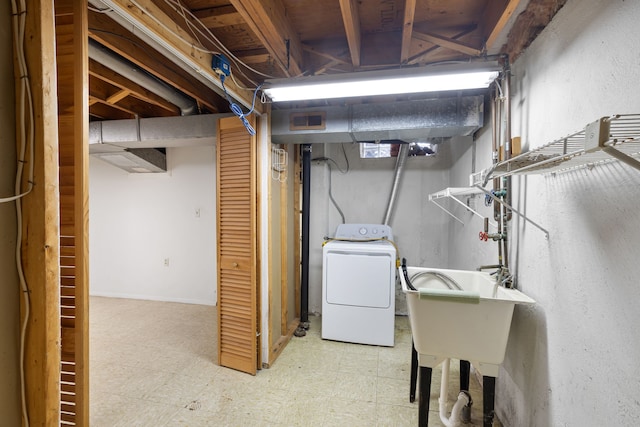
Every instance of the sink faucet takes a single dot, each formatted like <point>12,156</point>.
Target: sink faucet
<point>503,276</point>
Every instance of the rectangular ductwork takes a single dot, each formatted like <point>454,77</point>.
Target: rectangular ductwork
<point>138,145</point>
<point>407,121</point>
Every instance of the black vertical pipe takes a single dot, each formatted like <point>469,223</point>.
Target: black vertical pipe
<point>488,400</point>
<point>465,370</point>
<point>306,203</point>
<point>414,373</point>
<point>424,396</point>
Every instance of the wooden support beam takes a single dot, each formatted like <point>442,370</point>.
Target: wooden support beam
<point>121,94</point>
<point>337,59</point>
<point>253,56</point>
<point>146,14</point>
<point>109,76</point>
<point>40,228</point>
<point>110,34</point>
<point>502,22</point>
<point>407,29</point>
<point>420,55</point>
<point>217,17</point>
<point>268,20</point>
<point>351,21</point>
<point>447,43</point>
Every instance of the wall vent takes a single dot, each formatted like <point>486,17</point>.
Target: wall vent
<point>316,120</point>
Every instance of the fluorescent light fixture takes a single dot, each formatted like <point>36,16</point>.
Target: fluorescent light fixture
<point>386,82</point>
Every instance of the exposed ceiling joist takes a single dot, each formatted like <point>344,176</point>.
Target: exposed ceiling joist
<point>418,56</point>
<point>351,20</point>
<point>107,75</point>
<point>447,43</point>
<point>502,22</point>
<point>315,51</point>
<point>268,21</point>
<point>407,29</point>
<point>146,16</point>
<point>218,17</point>
<point>254,56</point>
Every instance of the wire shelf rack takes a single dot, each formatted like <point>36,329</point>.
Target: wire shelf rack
<point>608,139</point>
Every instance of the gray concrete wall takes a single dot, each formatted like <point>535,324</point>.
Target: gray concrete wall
<point>9,288</point>
<point>363,192</point>
<point>571,359</point>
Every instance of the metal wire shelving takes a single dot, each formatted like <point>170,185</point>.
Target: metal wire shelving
<point>616,137</point>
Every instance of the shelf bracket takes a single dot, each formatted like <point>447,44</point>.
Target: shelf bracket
<point>447,193</point>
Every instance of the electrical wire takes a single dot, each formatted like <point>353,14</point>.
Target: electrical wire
<point>329,160</point>
<point>204,32</point>
<point>27,137</point>
<point>237,110</point>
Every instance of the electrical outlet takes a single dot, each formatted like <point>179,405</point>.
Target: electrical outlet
<point>166,262</point>
<point>197,212</point>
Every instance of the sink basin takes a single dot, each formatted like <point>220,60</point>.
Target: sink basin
<point>471,323</point>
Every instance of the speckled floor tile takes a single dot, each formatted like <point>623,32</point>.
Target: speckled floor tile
<point>154,364</point>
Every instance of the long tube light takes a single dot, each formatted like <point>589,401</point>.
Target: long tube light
<point>387,82</point>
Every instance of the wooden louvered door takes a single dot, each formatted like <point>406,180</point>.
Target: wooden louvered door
<point>73,122</point>
<point>237,247</point>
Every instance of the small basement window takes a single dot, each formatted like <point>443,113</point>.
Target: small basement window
<point>382,149</point>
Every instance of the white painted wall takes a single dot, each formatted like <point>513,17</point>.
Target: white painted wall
<point>139,220</point>
<point>572,359</point>
<point>363,193</point>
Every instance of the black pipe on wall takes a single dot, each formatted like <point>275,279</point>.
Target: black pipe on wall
<point>306,199</point>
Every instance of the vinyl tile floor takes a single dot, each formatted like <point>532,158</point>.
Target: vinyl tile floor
<point>154,364</point>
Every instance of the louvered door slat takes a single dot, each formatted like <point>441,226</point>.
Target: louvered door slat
<point>72,73</point>
<point>236,231</point>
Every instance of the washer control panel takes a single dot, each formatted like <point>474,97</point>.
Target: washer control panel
<point>363,231</point>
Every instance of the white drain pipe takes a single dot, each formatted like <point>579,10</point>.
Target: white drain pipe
<point>455,420</point>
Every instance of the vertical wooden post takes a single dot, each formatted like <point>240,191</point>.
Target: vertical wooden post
<point>40,219</point>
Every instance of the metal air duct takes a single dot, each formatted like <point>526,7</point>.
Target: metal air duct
<point>138,145</point>
<point>405,120</point>
<point>115,62</point>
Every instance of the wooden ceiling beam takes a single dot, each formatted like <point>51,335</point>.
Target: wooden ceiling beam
<point>420,55</point>
<point>315,51</point>
<point>109,76</point>
<point>497,29</point>
<point>102,110</point>
<point>253,56</point>
<point>217,17</point>
<point>127,45</point>
<point>267,19</point>
<point>407,29</point>
<point>351,21</point>
<point>448,43</point>
<point>158,25</point>
<point>121,94</point>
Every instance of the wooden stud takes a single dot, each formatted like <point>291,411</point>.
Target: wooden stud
<point>447,43</point>
<point>40,238</point>
<point>351,21</point>
<point>407,29</point>
<point>267,19</point>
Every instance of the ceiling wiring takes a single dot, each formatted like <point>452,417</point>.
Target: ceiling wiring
<point>206,32</point>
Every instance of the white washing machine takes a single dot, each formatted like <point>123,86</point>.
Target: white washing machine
<point>358,285</point>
